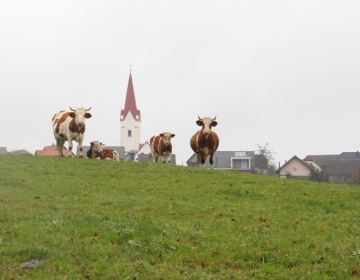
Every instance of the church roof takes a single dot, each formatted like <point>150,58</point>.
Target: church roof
<point>130,102</point>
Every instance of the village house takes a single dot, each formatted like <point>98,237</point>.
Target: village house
<point>339,168</point>
<point>295,168</point>
<point>50,151</point>
<point>143,149</point>
<point>21,152</point>
<point>241,161</point>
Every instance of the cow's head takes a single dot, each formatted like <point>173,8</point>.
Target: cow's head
<point>167,137</point>
<point>79,114</point>
<point>96,147</point>
<point>207,124</point>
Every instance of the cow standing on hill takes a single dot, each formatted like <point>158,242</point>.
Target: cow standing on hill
<point>69,126</point>
<point>205,142</point>
<point>97,151</point>
<point>160,146</point>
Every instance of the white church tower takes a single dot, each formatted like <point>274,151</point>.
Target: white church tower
<point>130,120</point>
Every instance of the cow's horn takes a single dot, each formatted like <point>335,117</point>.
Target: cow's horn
<point>72,109</point>
<point>88,109</point>
<point>214,118</point>
<point>199,118</point>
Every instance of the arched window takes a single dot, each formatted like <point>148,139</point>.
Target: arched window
<point>129,133</point>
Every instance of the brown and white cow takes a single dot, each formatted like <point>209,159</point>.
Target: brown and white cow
<point>160,146</point>
<point>97,151</point>
<point>69,126</point>
<point>205,142</point>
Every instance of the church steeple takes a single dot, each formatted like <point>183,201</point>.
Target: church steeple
<point>130,121</point>
<point>130,102</point>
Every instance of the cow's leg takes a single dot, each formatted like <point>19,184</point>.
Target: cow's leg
<point>156,157</point>
<point>212,160</point>
<point>198,160</point>
<point>81,146</point>
<point>62,143</point>
<point>58,146</point>
<point>70,147</point>
<point>204,162</point>
<point>153,155</point>
<point>169,158</point>
<point>202,158</point>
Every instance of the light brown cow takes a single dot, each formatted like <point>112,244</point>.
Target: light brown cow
<point>205,142</point>
<point>97,151</point>
<point>161,147</point>
<point>69,126</point>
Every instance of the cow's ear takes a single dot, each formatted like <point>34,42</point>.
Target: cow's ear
<point>72,115</point>
<point>172,135</point>
<point>214,123</point>
<point>91,143</point>
<point>161,134</point>
<point>199,123</point>
<point>88,115</point>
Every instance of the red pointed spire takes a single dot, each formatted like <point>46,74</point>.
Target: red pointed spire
<point>130,102</point>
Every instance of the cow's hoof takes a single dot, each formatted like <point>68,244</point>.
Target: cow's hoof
<point>69,156</point>
<point>81,156</point>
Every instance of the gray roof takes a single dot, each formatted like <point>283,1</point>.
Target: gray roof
<point>3,151</point>
<point>147,158</point>
<point>342,167</point>
<point>222,159</point>
<point>349,155</point>
<point>21,153</point>
<point>119,149</point>
<point>323,160</point>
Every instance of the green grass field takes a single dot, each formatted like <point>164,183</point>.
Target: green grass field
<point>96,219</point>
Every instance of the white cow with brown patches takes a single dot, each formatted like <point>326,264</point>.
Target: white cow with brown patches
<point>161,147</point>
<point>205,142</point>
<point>69,126</point>
<point>97,151</point>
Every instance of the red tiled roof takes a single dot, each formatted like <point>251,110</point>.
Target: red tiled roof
<point>44,153</point>
<point>130,102</point>
<point>142,145</point>
<point>49,151</point>
<point>50,148</point>
<point>308,158</point>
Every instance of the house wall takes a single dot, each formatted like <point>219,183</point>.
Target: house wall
<point>235,163</point>
<point>133,142</point>
<point>289,168</point>
<point>144,150</point>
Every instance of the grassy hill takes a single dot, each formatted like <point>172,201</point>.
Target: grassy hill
<point>96,219</point>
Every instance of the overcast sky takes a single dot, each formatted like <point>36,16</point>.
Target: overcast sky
<point>282,72</point>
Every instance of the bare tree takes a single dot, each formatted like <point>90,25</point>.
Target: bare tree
<point>268,154</point>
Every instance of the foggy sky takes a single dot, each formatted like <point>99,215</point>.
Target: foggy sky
<point>282,72</point>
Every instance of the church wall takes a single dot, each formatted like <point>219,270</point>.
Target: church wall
<point>133,142</point>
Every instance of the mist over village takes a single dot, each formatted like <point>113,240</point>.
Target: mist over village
<point>179,139</point>
<point>335,168</point>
